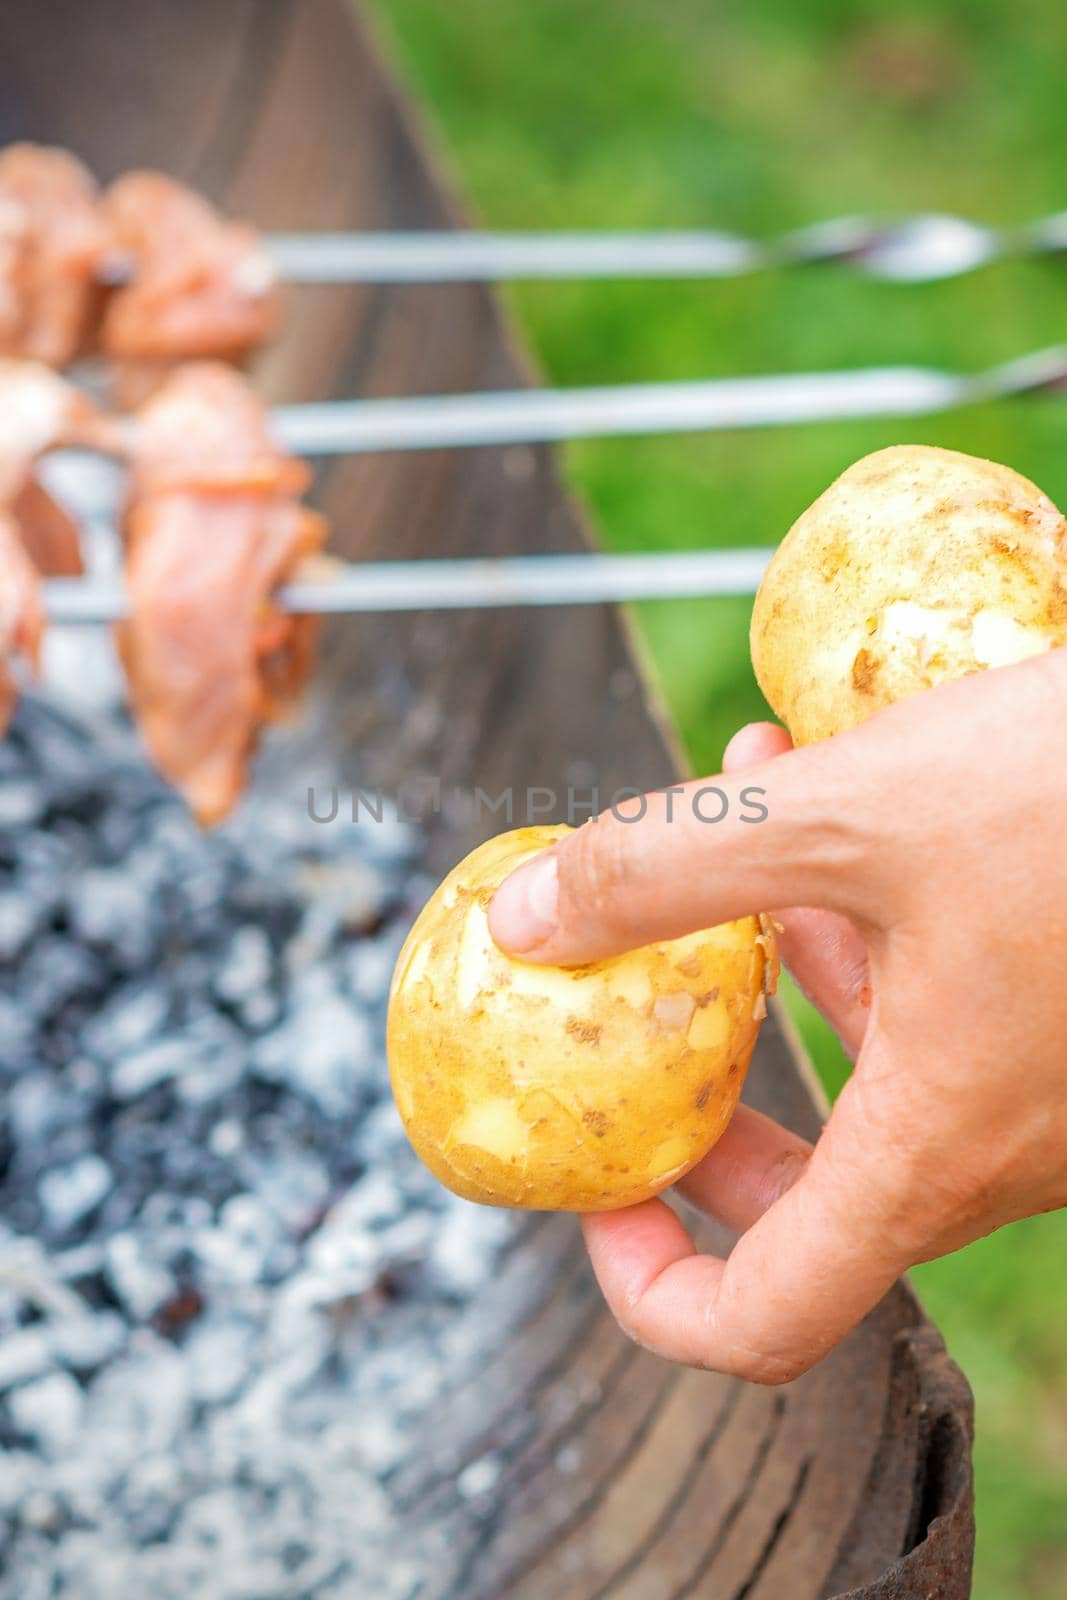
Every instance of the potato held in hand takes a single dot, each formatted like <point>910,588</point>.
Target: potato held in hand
<point>565,1089</point>
<point>916,566</point>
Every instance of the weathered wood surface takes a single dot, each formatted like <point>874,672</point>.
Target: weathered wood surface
<point>621,1476</point>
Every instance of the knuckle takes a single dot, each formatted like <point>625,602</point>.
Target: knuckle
<point>836,817</point>
<point>869,1181</point>
<point>936,1169</point>
<point>735,1360</point>
<point>752,1361</point>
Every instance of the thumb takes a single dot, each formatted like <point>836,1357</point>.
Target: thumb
<point>787,832</point>
<point>840,1227</point>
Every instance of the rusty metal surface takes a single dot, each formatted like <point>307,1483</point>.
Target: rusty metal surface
<point>621,1476</point>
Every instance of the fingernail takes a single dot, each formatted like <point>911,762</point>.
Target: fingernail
<point>524,911</point>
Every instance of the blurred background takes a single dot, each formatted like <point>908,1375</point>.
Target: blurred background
<point>758,117</point>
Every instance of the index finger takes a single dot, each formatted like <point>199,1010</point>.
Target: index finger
<point>701,853</point>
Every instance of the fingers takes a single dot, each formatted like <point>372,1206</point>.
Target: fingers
<point>828,959</point>
<point>753,744</point>
<point>806,1271</point>
<point>825,953</point>
<point>751,1167</point>
<point>790,831</point>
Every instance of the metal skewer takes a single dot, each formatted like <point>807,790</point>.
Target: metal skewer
<point>434,422</point>
<point>452,585</point>
<point>528,416</point>
<point>917,249</point>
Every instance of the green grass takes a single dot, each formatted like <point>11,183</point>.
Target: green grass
<point>752,115</point>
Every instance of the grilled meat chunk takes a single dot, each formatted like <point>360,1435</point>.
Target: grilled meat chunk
<point>198,287</point>
<point>54,242</point>
<point>212,527</point>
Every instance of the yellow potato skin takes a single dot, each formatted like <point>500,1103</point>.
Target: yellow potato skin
<point>916,566</point>
<point>565,1089</point>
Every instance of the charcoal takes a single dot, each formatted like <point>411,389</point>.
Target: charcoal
<point>24,1354</point>
<point>369,969</point>
<point>86,1343</point>
<point>323,1048</point>
<point>133,1017</point>
<point>55,752</point>
<point>55,971</point>
<point>36,1106</point>
<point>40,864</point>
<point>48,1410</point>
<point>247,965</point>
<point>259,1011</point>
<point>226,1285</point>
<point>466,1237</point>
<point>42,1513</point>
<point>69,1194</point>
<point>21,803</point>
<point>140,1285</point>
<point>108,910</point>
<point>20,919</point>
<point>140,1070</point>
<point>219,1357</point>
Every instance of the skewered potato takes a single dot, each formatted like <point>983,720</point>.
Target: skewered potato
<point>566,1089</point>
<point>917,565</point>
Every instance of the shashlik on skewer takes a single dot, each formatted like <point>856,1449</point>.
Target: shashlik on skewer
<point>145,272</point>
<point>914,249</point>
<point>38,411</point>
<point>216,614</point>
<point>167,276</point>
<point>186,283</point>
<point>197,287</point>
<point>53,252</point>
<point>212,526</point>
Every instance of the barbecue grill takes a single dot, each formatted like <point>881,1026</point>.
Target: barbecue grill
<point>855,1479</point>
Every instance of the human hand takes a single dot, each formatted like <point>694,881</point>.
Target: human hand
<point>932,841</point>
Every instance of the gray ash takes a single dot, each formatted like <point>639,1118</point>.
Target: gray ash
<point>226,1284</point>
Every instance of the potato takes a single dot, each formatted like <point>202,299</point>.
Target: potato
<point>916,566</point>
<point>566,1089</point>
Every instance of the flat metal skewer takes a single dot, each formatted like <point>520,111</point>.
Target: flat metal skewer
<point>460,584</point>
<point>530,416</point>
<point>917,249</point>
